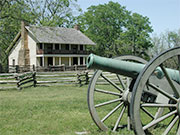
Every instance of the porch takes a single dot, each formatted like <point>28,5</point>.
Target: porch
<point>46,61</point>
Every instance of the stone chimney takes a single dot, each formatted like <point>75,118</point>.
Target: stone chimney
<point>77,26</point>
<point>23,58</point>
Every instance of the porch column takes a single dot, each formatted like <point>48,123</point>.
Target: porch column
<point>60,47</point>
<point>69,46</point>
<point>53,46</point>
<point>84,60</point>
<point>78,47</point>
<point>53,61</point>
<point>43,46</point>
<point>43,61</point>
<point>69,61</point>
<point>78,60</point>
<point>59,60</point>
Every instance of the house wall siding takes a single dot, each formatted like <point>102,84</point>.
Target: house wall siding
<point>32,53</point>
<point>14,54</point>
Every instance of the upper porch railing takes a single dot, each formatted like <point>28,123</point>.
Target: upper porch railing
<point>51,51</point>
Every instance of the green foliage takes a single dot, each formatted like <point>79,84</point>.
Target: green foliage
<point>53,12</point>
<point>164,41</point>
<point>116,30</point>
<point>36,12</point>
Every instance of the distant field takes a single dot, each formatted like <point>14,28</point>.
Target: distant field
<point>58,110</point>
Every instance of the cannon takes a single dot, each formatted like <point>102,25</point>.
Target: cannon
<point>144,96</point>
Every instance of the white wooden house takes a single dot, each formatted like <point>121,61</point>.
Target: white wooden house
<point>44,46</point>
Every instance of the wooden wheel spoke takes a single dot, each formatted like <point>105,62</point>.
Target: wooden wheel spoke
<point>112,111</point>
<point>173,122</point>
<point>119,118</point>
<point>169,81</point>
<point>157,105</point>
<point>112,83</point>
<point>121,82</point>
<point>103,97</point>
<point>108,102</point>
<point>108,92</point>
<point>154,122</point>
<point>162,92</point>
<point>147,112</point>
<point>178,128</point>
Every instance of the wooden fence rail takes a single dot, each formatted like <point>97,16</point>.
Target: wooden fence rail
<point>18,81</point>
<point>22,80</point>
<point>83,78</point>
<point>57,78</point>
<point>26,80</point>
<point>57,68</point>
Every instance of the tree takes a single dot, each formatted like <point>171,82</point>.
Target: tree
<point>36,12</point>
<point>168,39</point>
<point>114,29</point>
<point>53,12</point>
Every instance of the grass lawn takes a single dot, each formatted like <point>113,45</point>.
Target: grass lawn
<point>58,110</point>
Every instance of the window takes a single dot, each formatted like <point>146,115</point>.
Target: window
<point>75,61</point>
<point>48,46</point>
<point>81,47</point>
<point>40,46</point>
<point>56,46</point>
<point>81,60</point>
<point>41,61</point>
<point>67,47</point>
<point>74,47</point>
<point>13,62</point>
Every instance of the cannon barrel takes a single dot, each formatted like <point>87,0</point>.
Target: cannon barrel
<point>126,68</point>
<point>130,69</point>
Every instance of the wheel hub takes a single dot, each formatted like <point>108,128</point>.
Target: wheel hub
<point>126,97</point>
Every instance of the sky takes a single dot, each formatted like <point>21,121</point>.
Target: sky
<point>164,15</point>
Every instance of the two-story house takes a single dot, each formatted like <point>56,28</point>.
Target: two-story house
<point>45,46</point>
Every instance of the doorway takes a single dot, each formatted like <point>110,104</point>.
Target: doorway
<point>75,61</point>
<point>50,61</point>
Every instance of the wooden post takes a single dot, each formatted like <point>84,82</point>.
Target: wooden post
<point>87,78</point>
<point>63,65</point>
<point>54,61</point>
<point>75,66</point>
<point>79,79</point>
<point>17,78</point>
<point>78,60</point>
<point>59,60</point>
<point>17,68</point>
<point>34,78</point>
<point>84,60</point>
<point>69,61</point>
<point>43,61</point>
<point>34,68</point>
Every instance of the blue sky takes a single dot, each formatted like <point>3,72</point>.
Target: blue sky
<point>163,14</point>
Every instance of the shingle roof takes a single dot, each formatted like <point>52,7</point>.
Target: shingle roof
<point>59,35</point>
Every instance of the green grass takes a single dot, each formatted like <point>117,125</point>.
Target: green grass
<point>60,110</point>
<point>56,110</point>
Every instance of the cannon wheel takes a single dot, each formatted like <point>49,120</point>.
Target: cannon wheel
<point>169,121</point>
<point>120,97</point>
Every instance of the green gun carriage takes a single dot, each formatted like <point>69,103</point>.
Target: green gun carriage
<point>145,96</point>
